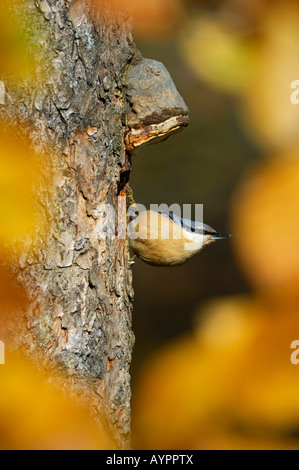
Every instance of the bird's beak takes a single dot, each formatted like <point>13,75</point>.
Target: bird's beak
<point>218,236</point>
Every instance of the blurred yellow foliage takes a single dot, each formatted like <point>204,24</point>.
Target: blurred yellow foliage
<point>257,63</point>
<point>35,415</point>
<point>268,113</point>
<point>185,384</point>
<point>20,181</point>
<point>217,53</point>
<point>230,384</point>
<point>266,226</point>
<point>15,57</point>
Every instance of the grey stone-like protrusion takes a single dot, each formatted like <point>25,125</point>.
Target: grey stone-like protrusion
<point>155,109</point>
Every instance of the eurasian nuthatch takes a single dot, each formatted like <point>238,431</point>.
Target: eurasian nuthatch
<point>164,239</point>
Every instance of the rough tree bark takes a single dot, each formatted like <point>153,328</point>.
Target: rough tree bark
<point>81,119</point>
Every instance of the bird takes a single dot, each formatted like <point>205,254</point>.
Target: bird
<point>162,238</point>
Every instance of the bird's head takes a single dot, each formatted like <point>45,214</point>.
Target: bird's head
<point>210,235</point>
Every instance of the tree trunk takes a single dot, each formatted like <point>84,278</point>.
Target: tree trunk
<point>80,285</point>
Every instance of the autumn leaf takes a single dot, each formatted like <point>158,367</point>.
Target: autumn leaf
<point>36,415</point>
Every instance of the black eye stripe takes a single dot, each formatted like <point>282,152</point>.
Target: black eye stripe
<point>191,228</point>
<point>201,231</point>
